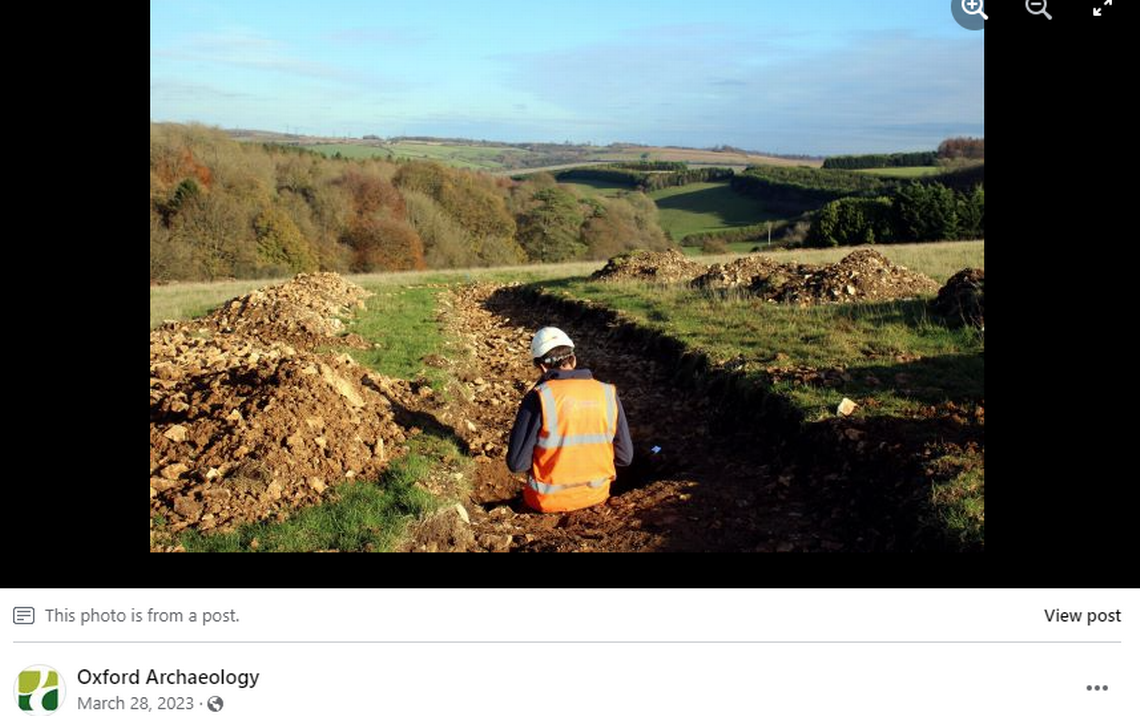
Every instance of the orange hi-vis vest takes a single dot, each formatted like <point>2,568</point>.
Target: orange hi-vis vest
<point>574,457</point>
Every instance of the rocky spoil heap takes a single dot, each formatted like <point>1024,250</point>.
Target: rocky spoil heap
<point>240,430</point>
<point>962,299</point>
<point>304,312</point>
<point>656,266</point>
<point>246,422</point>
<point>863,275</point>
<point>740,272</point>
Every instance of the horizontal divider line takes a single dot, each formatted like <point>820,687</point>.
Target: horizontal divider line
<point>452,641</point>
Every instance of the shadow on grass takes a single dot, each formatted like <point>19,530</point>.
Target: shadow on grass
<point>932,381</point>
<point>720,201</point>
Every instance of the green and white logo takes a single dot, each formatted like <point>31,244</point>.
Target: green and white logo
<point>39,689</point>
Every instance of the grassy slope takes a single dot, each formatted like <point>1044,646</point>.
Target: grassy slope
<point>593,187</point>
<point>705,206</point>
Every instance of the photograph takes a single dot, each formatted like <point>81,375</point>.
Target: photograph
<point>601,277</point>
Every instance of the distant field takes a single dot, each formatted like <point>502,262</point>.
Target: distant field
<point>904,172</point>
<point>491,158</point>
<point>705,206</point>
<point>591,187</point>
<point>463,156</point>
<point>702,156</point>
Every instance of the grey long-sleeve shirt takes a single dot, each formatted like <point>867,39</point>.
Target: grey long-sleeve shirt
<point>524,434</point>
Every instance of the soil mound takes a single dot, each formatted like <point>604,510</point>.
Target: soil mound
<point>962,299</point>
<point>656,266</point>
<point>304,312</point>
<point>240,430</point>
<point>740,272</point>
<point>863,275</point>
<point>246,422</point>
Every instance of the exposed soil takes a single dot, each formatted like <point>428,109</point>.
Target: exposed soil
<point>737,471</point>
<point>247,424</point>
<point>737,273</point>
<point>962,299</point>
<point>862,275</point>
<point>656,266</point>
<point>709,488</point>
<point>304,312</point>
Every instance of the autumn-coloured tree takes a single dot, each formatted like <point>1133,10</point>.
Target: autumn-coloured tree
<point>280,243</point>
<point>382,243</point>
<point>371,194</point>
<point>962,148</point>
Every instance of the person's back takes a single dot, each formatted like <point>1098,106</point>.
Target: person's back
<point>569,433</point>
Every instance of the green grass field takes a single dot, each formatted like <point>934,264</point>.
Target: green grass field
<point>904,172</point>
<point>595,187</point>
<point>706,206</point>
<point>400,321</point>
<point>736,247</point>
<point>864,337</point>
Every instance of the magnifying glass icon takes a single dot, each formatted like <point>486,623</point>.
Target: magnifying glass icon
<point>974,7</point>
<point>1040,5</point>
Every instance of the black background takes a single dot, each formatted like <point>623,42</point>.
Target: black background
<point>1062,379</point>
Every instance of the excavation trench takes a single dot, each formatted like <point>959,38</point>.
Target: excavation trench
<point>716,483</point>
<point>738,470</point>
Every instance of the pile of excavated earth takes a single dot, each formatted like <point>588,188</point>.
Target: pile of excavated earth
<point>247,423</point>
<point>738,273</point>
<point>655,266</point>
<point>304,312</point>
<point>962,299</point>
<point>863,275</point>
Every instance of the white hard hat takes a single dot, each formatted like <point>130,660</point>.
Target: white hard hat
<point>548,338</point>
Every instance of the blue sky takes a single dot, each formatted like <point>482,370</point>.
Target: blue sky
<point>806,76</point>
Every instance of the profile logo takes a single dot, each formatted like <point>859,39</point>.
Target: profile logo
<point>39,689</point>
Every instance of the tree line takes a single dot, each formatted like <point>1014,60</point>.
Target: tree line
<point>962,148</point>
<point>792,190</point>
<point>225,209</point>
<point>647,180</point>
<point>916,212</point>
<point>652,166</point>
<point>879,161</point>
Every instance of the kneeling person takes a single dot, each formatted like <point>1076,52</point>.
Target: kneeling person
<point>570,431</point>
